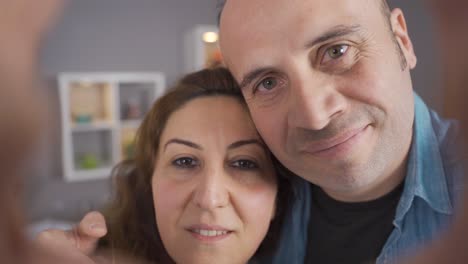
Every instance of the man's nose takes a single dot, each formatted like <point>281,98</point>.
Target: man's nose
<point>314,102</point>
<point>211,190</point>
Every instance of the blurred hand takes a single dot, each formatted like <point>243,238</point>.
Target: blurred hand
<point>22,24</point>
<point>28,18</point>
<point>452,20</point>
<point>449,10</point>
<point>80,242</point>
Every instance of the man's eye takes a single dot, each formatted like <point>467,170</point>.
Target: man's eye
<point>185,163</point>
<point>335,52</point>
<point>244,164</point>
<point>268,83</point>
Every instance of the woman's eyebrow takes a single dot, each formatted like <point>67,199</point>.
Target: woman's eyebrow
<point>241,143</point>
<point>182,142</point>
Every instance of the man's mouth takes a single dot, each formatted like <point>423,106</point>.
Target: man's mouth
<point>323,147</point>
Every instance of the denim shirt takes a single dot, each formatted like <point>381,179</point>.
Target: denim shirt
<point>434,180</point>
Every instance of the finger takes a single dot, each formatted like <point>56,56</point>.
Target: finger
<point>86,235</point>
<point>51,237</point>
<point>93,225</point>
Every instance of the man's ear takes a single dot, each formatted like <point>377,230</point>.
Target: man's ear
<point>400,31</point>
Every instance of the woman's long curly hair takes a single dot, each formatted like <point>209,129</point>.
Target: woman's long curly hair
<point>130,218</point>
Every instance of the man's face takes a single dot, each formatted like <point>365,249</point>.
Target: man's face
<point>328,88</point>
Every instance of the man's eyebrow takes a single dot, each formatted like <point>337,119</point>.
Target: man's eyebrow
<point>241,143</point>
<point>182,142</point>
<point>335,32</point>
<point>252,75</point>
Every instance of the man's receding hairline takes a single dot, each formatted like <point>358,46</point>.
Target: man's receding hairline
<point>384,8</point>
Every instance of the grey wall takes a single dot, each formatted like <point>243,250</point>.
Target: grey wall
<point>426,76</point>
<point>146,35</point>
<point>122,35</point>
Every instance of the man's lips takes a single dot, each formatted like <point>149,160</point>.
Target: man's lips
<point>327,144</point>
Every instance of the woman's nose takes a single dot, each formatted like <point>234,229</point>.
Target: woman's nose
<point>211,191</point>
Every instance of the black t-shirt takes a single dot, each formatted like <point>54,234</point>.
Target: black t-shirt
<point>351,233</point>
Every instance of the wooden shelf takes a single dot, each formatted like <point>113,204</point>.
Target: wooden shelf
<point>131,123</point>
<point>94,174</point>
<point>100,114</point>
<point>93,126</point>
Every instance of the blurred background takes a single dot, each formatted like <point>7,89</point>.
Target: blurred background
<point>105,62</point>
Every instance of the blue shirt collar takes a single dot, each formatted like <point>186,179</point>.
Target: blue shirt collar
<point>425,172</point>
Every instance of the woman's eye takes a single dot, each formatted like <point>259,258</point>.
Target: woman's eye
<point>335,52</point>
<point>185,163</point>
<point>244,164</point>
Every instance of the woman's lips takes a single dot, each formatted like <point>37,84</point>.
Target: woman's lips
<point>209,233</point>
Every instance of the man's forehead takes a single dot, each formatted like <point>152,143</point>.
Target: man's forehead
<point>248,26</point>
<point>249,20</point>
<point>258,8</point>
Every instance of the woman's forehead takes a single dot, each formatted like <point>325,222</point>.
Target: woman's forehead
<point>209,117</point>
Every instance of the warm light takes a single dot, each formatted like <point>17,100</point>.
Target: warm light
<point>210,37</point>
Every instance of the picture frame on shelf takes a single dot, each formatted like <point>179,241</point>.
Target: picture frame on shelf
<point>100,114</point>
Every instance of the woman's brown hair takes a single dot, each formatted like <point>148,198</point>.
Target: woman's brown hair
<point>131,218</point>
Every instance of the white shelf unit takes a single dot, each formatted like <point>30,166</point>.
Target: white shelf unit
<point>201,47</point>
<point>100,114</point>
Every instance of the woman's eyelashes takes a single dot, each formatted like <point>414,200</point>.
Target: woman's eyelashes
<point>188,162</point>
<point>244,164</point>
<point>185,162</point>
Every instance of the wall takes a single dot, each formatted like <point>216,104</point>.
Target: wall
<point>426,76</point>
<point>146,35</point>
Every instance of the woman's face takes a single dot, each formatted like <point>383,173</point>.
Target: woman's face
<point>214,185</point>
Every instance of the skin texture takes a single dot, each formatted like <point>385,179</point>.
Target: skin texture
<point>207,182</point>
<point>330,95</point>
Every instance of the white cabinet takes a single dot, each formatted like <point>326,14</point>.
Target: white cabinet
<point>100,114</point>
<point>201,48</point>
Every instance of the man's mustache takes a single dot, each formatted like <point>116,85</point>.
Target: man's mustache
<point>338,126</point>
